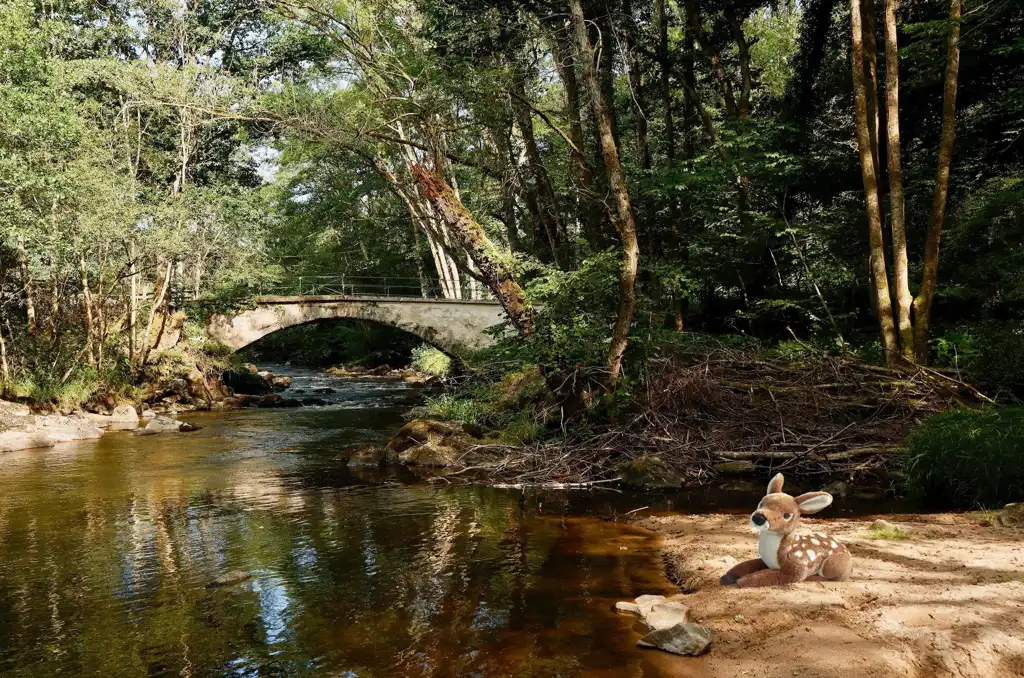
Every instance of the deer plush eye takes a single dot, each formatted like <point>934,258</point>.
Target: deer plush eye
<point>788,516</point>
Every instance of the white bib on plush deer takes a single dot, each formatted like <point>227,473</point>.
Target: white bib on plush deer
<point>788,557</point>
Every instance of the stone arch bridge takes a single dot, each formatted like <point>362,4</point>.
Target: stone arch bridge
<point>450,324</point>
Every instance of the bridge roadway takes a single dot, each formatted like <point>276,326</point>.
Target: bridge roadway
<point>449,324</point>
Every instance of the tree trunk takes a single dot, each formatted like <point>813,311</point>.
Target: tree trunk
<point>862,124</point>
<point>624,219</point>
<point>636,85</point>
<point>593,216</point>
<point>743,49</point>
<point>471,236</point>
<point>26,286</point>
<point>929,276</point>
<point>133,303</point>
<point>5,370</point>
<point>666,87</point>
<point>87,309</point>
<point>546,204</point>
<point>897,211</point>
<point>724,84</point>
<point>147,344</point>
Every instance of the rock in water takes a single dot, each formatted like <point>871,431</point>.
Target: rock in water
<point>685,639</point>
<point>368,455</point>
<point>163,424</point>
<point>628,608</point>
<point>232,577</point>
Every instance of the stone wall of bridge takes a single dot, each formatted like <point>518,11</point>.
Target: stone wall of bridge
<point>451,325</point>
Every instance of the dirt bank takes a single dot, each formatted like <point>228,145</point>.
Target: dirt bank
<point>947,602</point>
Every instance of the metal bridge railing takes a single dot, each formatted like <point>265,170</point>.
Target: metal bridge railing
<point>364,286</point>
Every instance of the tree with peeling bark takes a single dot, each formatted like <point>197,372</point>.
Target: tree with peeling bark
<point>905,329</point>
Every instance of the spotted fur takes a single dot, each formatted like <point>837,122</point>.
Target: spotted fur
<point>786,556</point>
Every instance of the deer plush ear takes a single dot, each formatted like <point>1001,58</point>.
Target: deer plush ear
<point>775,484</point>
<point>812,502</point>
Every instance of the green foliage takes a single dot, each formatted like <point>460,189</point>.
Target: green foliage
<point>968,458</point>
<point>430,360</point>
<point>66,395</point>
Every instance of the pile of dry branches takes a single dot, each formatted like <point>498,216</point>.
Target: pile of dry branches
<point>731,410</point>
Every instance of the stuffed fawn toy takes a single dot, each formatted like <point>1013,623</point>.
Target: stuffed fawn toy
<point>786,557</point>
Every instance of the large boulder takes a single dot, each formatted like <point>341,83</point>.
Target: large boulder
<point>649,473</point>
<point>65,429</point>
<point>14,409</point>
<point>12,441</point>
<point>125,414</point>
<point>249,383</point>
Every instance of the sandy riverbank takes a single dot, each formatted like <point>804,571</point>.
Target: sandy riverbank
<point>947,602</point>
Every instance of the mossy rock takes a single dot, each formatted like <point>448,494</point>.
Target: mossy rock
<point>649,473</point>
<point>420,431</point>
<point>1011,515</point>
<point>431,454</point>
<point>520,387</point>
<point>368,456</point>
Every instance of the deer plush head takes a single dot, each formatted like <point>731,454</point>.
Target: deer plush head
<point>780,513</point>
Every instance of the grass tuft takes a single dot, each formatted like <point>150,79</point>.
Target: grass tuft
<point>888,533</point>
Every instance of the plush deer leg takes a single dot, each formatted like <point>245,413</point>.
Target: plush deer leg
<point>837,567</point>
<point>742,570</point>
<point>787,575</point>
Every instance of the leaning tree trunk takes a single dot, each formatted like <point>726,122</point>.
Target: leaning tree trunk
<point>472,238</point>
<point>923,302</point>
<point>862,123</point>
<point>897,204</point>
<point>624,219</point>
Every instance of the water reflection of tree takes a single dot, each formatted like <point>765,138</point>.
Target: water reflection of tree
<point>106,565</point>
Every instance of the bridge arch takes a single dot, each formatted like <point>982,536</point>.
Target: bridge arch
<point>453,325</point>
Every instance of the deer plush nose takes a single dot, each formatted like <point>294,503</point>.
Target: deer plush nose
<point>758,519</point>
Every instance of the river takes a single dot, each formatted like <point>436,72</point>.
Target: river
<point>111,552</point>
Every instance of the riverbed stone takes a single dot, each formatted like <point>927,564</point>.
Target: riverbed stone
<point>625,607</point>
<point>687,639</point>
<point>14,409</point>
<point>280,383</point>
<point>649,473</point>
<point>645,602</point>
<point>161,423</point>
<point>65,429</point>
<point>430,454</point>
<point>367,456</point>
<point>125,414</point>
<point>419,431</point>
<point>666,615</point>
<point>13,441</point>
